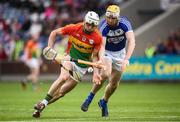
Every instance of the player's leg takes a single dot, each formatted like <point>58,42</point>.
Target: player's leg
<point>34,67</point>
<point>35,77</point>
<point>64,75</point>
<point>76,76</point>
<point>64,89</point>
<point>109,90</point>
<point>113,81</point>
<point>56,96</point>
<point>96,87</point>
<point>28,78</point>
<point>56,84</point>
<point>25,81</point>
<point>113,84</point>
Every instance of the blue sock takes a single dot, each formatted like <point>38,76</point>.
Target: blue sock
<point>90,96</point>
<point>104,101</point>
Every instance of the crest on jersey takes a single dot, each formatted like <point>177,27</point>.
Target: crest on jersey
<point>83,38</point>
<point>91,41</point>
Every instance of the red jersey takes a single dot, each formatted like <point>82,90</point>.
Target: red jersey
<point>81,45</point>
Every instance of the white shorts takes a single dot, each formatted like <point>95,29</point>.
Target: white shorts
<point>32,63</point>
<point>115,57</point>
<point>78,72</point>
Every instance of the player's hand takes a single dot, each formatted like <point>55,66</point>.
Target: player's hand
<point>97,79</point>
<point>124,63</point>
<point>49,53</point>
<point>45,50</point>
<point>100,65</point>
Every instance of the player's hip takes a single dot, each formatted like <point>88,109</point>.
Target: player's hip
<point>115,57</point>
<point>76,72</point>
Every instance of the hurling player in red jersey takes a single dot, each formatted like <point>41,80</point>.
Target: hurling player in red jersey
<point>85,40</point>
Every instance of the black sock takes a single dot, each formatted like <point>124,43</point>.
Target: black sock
<point>48,97</point>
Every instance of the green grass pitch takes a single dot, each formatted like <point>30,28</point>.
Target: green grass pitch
<point>131,102</point>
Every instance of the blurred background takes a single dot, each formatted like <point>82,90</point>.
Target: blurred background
<point>156,26</point>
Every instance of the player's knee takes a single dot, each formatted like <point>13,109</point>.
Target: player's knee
<point>64,78</point>
<point>61,94</point>
<point>105,75</point>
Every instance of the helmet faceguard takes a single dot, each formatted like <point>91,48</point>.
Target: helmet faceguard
<point>92,18</point>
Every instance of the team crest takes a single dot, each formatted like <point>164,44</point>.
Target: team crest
<point>91,41</point>
<point>83,38</point>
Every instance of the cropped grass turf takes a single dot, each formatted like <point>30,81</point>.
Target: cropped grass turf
<point>131,102</point>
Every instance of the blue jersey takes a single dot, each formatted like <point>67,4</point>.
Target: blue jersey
<point>115,36</point>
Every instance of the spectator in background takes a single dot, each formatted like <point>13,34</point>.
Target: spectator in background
<point>3,55</point>
<point>161,48</point>
<point>36,26</point>
<point>18,49</point>
<point>150,50</point>
<point>9,47</point>
<point>170,46</point>
<point>177,47</point>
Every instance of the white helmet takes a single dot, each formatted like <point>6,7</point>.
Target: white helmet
<point>92,18</point>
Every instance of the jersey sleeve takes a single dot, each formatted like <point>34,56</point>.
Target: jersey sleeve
<point>126,24</point>
<point>68,29</point>
<point>103,28</point>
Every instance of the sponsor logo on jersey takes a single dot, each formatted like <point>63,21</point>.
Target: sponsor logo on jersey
<point>117,32</point>
<point>80,45</point>
<point>115,36</point>
<point>115,40</point>
<point>91,41</point>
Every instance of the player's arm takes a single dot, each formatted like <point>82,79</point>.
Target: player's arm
<point>96,75</point>
<point>97,56</point>
<point>67,30</point>
<point>130,48</point>
<point>102,49</point>
<point>52,36</point>
<point>131,44</point>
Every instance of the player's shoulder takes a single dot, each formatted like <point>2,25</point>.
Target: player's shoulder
<point>77,25</point>
<point>80,24</point>
<point>103,24</point>
<point>124,20</point>
<point>98,33</point>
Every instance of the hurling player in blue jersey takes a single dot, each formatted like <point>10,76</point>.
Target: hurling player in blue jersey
<point>116,32</point>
